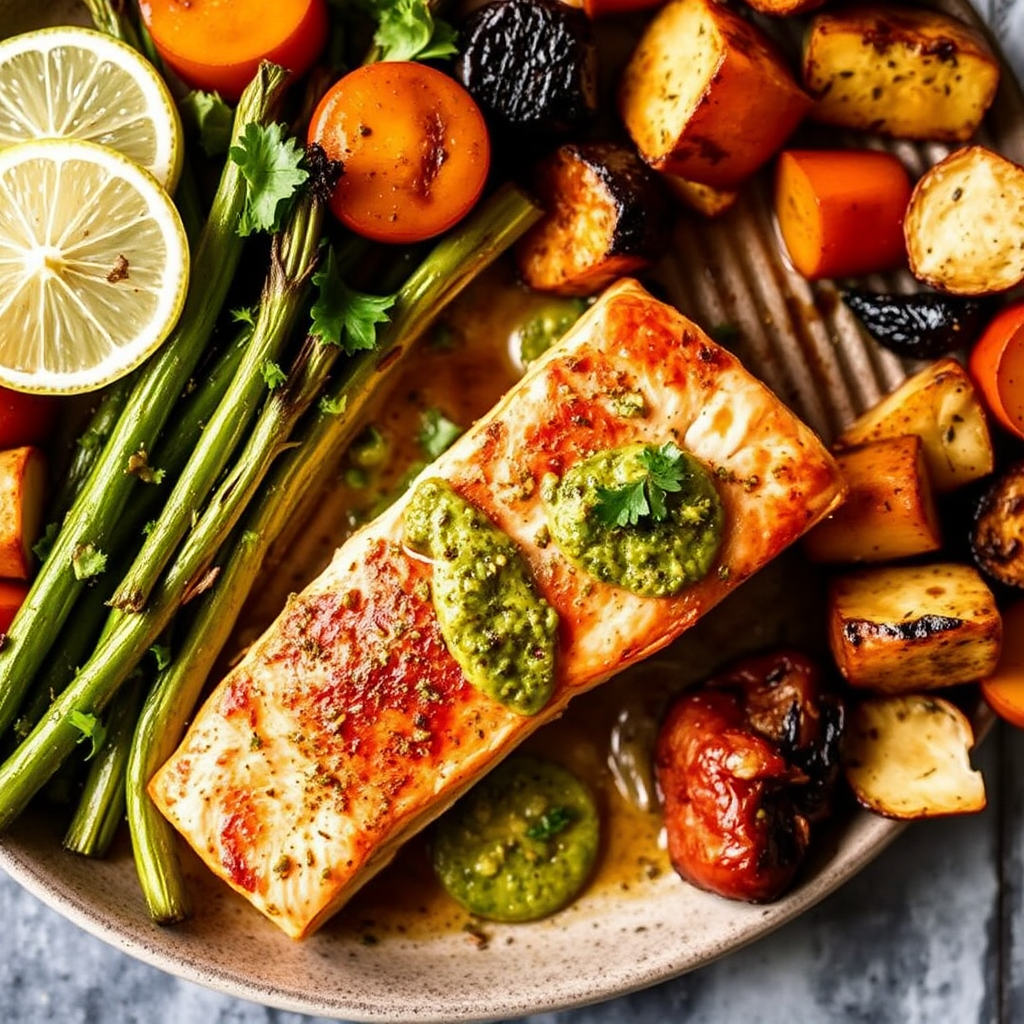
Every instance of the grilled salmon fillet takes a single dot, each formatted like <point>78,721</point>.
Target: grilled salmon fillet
<point>348,726</point>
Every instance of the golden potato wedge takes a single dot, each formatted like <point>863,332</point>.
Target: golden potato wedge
<point>964,226</point>
<point>889,511</point>
<point>940,405</point>
<point>905,72</point>
<point>604,219</point>
<point>901,628</point>
<point>23,478</point>
<point>783,8</point>
<point>909,757</point>
<point>703,198</point>
<point>707,96</point>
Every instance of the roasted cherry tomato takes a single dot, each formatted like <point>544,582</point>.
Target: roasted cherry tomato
<point>745,765</point>
<point>414,147</point>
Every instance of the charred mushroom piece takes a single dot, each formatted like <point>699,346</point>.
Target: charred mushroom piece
<point>997,540</point>
<point>745,764</point>
<point>922,325</point>
<point>531,65</point>
<point>605,218</point>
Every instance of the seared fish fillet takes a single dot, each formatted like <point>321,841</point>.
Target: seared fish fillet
<point>348,726</point>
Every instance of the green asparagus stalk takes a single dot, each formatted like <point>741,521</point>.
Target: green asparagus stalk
<point>293,259</point>
<point>95,516</point>
<point>101,806</point>
<point>491,229</point>
<point>78,637</point>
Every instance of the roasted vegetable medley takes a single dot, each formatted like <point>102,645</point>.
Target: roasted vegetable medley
<point>343,171</point>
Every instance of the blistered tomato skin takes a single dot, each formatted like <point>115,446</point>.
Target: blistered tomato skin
<point>414,147</point>
<point>745,764</point>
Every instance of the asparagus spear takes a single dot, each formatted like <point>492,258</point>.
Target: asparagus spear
<point>96,513</point>
<point>101,807</point>
<point>446,271</point>
<point>293,258</point>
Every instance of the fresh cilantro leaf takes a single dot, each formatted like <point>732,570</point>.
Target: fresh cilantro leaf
<point>273,375</point>
<point>162,653</point>
<point>551,822</point>
<point>628,504</point>
<point>244,315</point>
<point>90,727</point>
<point>88,561</point>
<point>333,406</point>
<point>343,316</point>
<point>44,545</point>
<point>437,433</point>
<point>622,506</point>
<point>407,30</point>
<point>269,162</point>
<point>211,117</point>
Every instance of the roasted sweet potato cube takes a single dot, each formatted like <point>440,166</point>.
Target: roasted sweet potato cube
<point>889,512</point>
<point>706,95</point>
<point>23,479</point>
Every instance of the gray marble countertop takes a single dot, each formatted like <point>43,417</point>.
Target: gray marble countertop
<point>932,932</point>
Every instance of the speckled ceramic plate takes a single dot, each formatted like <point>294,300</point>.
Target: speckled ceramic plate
<point>801,341</point>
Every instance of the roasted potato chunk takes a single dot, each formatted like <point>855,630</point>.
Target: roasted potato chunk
<point>902,628</point>
<point>604,219</point>
<point>889,511</point>
<point>706,96</point>
<point>23,484</point>
<point>909,757</point>
<point>941,406</point>
<point>964,226</point>
<point>783,8</point>
<point>908,73</point>
<point>703,198</point>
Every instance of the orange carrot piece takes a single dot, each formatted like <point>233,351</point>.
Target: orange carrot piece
<point>414,146</point>
<point>1004,689</point>
<point>840,212</point>
<point>216,45</point>
<point>996,365</point>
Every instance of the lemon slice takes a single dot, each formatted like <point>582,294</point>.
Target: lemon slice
<point>93,265</point>
<point>77,83</point>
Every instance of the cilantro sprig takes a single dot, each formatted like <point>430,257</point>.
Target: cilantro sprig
<point>343,316</point>
<point>270,163</point>
<point>629,503</point>
<point>407,30</point>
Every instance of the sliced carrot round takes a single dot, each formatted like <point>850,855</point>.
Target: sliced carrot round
<point>414,146</point>
<point>217,45</point>
<point>1004,689</point>
<point>996,365</point>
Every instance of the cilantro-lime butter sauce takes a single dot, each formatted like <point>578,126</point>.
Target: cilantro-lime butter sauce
<point>498,628</point>
<point>521,844</point>
<point>643,517</point>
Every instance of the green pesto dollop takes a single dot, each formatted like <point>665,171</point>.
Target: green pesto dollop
<point>521,844</point>
<point>643,517</point>
<point>498,628</point>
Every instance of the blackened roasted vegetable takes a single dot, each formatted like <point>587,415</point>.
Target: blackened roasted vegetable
<point>997,540</point>
<point>745,765</point>
<point>923,325</point>
<point>530,65</point>
<point>604,217</point>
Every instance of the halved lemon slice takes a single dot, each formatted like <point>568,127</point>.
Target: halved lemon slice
<point>77,83</point>
<point>93,265</point>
